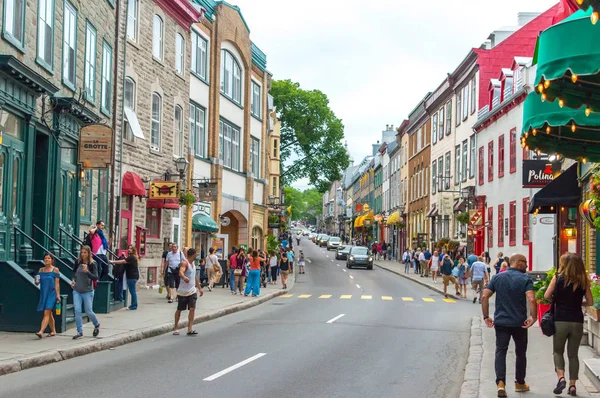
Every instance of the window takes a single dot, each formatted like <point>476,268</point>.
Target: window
<point>85,210</point>
<point>433,176</point>
<point>129,102</point>
<point>256,106</point>
<point>153,223</point>
<point>199,55</point>
<point>465,102</point>
<point>178,133</point>
<point>231,77</point>
<point>229,145</point>
<point>501,156</point>
<point>14,22</point>
<point>516,79</point>
<point>132,19</point>
<point>434,128</point>
<point>472,160</point>
<point>419,143</point>
<point>255,157</point>
<point>442,120</point>
<point>197,130</point>
<point>103,191</point>
<point>449,117</point>
<point>491,161</point>
<point>106,93</point>
<point>457,175</point>
<point>513,151</point>
<point>512,223</point>
<point>275,148</point>
<point>526,221</point>
<point>275,186</point>
<point>45,41</point>
<point>157,38</point>
<point>473,95</point>
<point>426,182</point>
<point>69,45</point>
<point>490,227</point>
<point>156,122</point>
<point>481,153</point>
<point>90,63</point>
<point>500,225</point>
<point>458,107</point>
<point>464,161</point>
<point>440,173</point>
<point>179,53</point>
<point>447,170</point>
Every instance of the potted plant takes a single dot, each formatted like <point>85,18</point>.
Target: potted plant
<point>540,289</point>
<point>187,198</point>
<point>463,217</point>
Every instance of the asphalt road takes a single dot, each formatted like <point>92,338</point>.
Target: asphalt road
<point>384,345</point>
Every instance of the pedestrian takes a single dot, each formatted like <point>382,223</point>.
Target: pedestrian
<point>463,276</point>
<point>504,266</point>
<point>374,250</point>
<point>284,242</point>
<point>417,261</point>
<point>213,268</point>
<point>163,265</point>
<point>479,278</point>
<point>284,266</point>
<point>406,261</point>
<point>240,271</point>
<point>298,240</point>
<point>170,271</point>
<point>435,265</point>
<point>187,292</point>
<point>85,272</point>
<point>384,250</point>
<point>498,262</point>
<point>514,289</point>
<point>447,277</point>
<point>132,274</point>
<point>301,263</point>
<point>99,246</point>
<point>423,263</point>
<point>232,262</point>
<point>471,258</point>
<point>290,256</point>
<point>273,263</point>
<point>487,261</point>
<point>566,291</point>
<point>253,284</point>
<point>47,279</point>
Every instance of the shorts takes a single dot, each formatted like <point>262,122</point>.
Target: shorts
<point>186,302</point>
<point>448,278</point>
<point>171,280</point>
<point>285,272</point>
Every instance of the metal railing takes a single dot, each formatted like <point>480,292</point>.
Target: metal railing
<point>60,247</point>
<point>17,230</point>
<point>80,243</point>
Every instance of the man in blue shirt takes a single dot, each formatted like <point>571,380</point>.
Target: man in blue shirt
<point>514,290</point>
<point>471,258</point>
<point>284,243</point>
<point>425,264</point>
<point>290,256</point>
<point>479,277</point>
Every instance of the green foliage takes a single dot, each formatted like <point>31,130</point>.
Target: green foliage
<point>187,198</point>
<point>541,286</point>
<point>305,204</point>
<point>311,136</point>
<point>595,288</point>
<point>272,243</point>
<point>273,219</point>
<point>463,217</point>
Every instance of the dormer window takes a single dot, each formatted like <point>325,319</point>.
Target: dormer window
<point>506,88</point>
<point>517,78</point>
<point>494,91</point>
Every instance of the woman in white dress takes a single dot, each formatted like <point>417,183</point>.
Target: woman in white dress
<point>435,265</point>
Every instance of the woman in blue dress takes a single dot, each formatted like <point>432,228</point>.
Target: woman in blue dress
<point>48,278</point>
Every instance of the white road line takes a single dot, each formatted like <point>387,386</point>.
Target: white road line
<point>358,286</point>
<point>351,277</point>
<point>234,367</point>
<point>338,265</point>
<point>344,270</point>
<point>308,259</point>
<point>336,318</point>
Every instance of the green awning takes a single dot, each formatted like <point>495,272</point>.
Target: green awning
<point>586,4</point>
<point>549,128</point>
<point>568,62</point>
<point>203,223</point>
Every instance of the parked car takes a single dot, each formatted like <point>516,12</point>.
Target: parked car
<point>359,256</point>
<point>323,240</point>
<point>342,252</point>
<point>333,243</point>
<point>316,238</point>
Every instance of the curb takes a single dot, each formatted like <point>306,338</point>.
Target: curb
<point>435,289</point>
<point>48,357</point>
<point>471,381</point>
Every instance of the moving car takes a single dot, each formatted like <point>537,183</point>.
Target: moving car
<point>342,252</point>
<point>359,256</point>
<point>316,238</point>
<point>333,243</point>
<point>323,240</point>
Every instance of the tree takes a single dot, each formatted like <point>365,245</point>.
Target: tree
<point>306,204</point>
<point>311,136</point>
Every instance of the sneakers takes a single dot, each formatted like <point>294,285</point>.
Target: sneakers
<point>521,387</point>
<point>474,299</point>
<point>501,389</point>
<point>96,331</point>
<point>78,336</point>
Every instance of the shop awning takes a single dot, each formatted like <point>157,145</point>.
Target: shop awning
<point>162,204</point>
<point>460,205</point>
<point>564,190</point>
<point>433,212</point>
<point>358,223</point>
<point>394,218</point>
<point>134,123</point>
<point>133,185</point>
<point>203,223</point>
<point>595,6</point>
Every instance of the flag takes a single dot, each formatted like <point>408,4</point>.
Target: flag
<point>289,210</point>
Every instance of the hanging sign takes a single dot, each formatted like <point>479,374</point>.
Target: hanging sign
<point>164,190</point>
<point>95,146</point>
<point>588,211</point>
<point>208,192</point>
<point>538,173</point>
<point>475,218</point>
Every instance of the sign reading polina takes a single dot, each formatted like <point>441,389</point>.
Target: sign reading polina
<point>538,173</point>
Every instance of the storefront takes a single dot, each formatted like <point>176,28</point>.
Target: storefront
<point>204,229</point>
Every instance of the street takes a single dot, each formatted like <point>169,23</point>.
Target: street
<point>394,339</point>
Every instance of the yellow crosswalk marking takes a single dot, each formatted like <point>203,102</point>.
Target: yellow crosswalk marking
<point>450,301</point>
<point>386,298</point>
<point>407,299</point>
<point>366,297</point>
<point>324,296</point>
<point>428,300</point>
<point>346,296</point>
<point>286,295</point>
<point>304,296</point>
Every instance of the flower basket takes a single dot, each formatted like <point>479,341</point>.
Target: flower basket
<point>187,199</point>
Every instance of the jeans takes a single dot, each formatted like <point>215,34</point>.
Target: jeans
<point>131,287</point>
<point>568,333</point>
<point>503,336</point>
<point>84,300</point>
<point>232,280</point>
<point>118,287</point>
<point>407,267</point>
<point>253,282</point>
<point>102,262</point>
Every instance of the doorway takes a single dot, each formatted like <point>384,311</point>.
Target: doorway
<point>126,221</point>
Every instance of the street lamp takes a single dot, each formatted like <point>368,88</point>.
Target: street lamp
<point>181,165</point>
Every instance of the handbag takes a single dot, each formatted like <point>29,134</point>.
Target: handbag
<point>237,272</point>
<point>547,323</point>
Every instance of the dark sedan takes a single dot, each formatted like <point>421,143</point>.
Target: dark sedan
<point>359,256</point>
<point>342,252</point>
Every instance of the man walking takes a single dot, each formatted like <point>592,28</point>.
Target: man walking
<point>447,277</point>
<point>290,257</point>
<point>425,265</point>
<point>416,257</point>
<point>480,277</point>
<point>422,263</point>
<point>406,260</point>
<point>514,289</point>
<point>170,271</point>
<point>187,292</point>
<point>471,258</point>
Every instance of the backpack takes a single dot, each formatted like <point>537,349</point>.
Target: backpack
<point>87,240</point>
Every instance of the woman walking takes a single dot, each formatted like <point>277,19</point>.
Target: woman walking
<point>284,266</point>
<point>132,274</point>
<point>213,268</point>
<point>48,278</point>
<point>498,262</point>
<point>240,271</point>
<point>435,265</point>
<point>253,284</point>
<point>85,272</point>
<point>463,277</point>
<point>273,263</point>
<point>566,291</point>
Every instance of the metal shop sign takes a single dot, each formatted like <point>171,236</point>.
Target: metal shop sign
<point>164,190</point>
<point>538,173</point>
<point>208,192</point>
<point>95,146</point>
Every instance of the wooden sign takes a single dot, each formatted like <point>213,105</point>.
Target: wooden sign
<point>95,146</point>
<point>208,192</point>
<point>164,190</point>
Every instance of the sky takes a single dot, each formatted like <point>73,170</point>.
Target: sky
<point>375,60</point>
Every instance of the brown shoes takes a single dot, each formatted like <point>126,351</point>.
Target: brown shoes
<point>501,389</point>
<point>521,387</point>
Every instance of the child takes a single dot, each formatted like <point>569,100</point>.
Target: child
<point>301,262</point>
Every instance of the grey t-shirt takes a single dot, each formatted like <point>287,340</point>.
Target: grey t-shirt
<point>511,299</point>
<point>83,279</point>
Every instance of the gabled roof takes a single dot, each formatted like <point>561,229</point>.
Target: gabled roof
<point>209,6</point>
<point>520,61</point>
<point>494,83</point>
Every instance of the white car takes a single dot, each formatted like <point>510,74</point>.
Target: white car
<point>333,243</point>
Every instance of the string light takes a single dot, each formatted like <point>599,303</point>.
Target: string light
<point>584,161</point>
<point>588,111</point>
<point>562,209</point>
<point>544,97</point>
<point>548,130</point>
<point>523,144</point>
<point>552,208</point>
<point>527,147</point>
<point>574,78</point>
<point>526,135</point>
<point>595,16</point>
<point>546,83</point>
<point>534,132</point>
<point>573,127</point>
<point>539,152</point>
<point>561,103</point>
<point>580,2</point>
<point>540,87</point>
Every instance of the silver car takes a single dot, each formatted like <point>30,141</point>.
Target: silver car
<point>333,243</point>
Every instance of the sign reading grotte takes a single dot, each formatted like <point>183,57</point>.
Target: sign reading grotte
<point>95,146</point>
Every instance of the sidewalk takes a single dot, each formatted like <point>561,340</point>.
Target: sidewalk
<point>20,351</point>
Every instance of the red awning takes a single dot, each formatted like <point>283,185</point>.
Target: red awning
<point>162,203</point>
<point>133,185</point>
